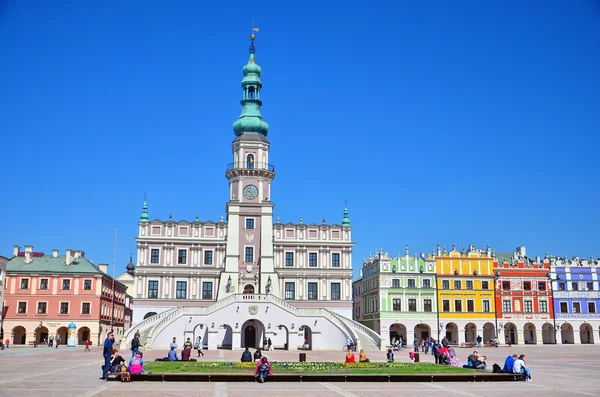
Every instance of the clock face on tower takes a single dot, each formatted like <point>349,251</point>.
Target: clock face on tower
<point>250,192</point>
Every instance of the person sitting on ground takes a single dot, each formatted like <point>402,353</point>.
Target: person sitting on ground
<point>411,355</point>
<point>172,354</point>
<point>362,357</point>
<point>480,363</point>
<point>257,355</point>
<point>350,357</point>
<point>263,369</point>
<point>136,365</point>
<point>117,361</point>
<point>471,360</point>
<point>390,356</point>
<point>246,356</point>
<point>509,364</point>
<point>521,368</point>
<point>185,353</point>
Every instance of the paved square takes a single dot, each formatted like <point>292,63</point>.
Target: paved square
<point>556,370</point>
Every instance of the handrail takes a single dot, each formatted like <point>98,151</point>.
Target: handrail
<point>252,166</point>
<point>360,327</point>
<point>144,325</point>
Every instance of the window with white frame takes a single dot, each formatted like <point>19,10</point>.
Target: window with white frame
<point>86,308</point>
<point>22,308</point>
<point>64,308</point>
<point>42,308</point>
<point>87,285</point>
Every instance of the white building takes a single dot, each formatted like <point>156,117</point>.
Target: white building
<point>238,282</point>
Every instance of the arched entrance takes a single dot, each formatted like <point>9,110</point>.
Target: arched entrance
<point>547,334</point>
<point>41,335</point>
<point>63,332</point>
<point>19,335</point>
<point>470,333</point>
<point>489,332</point>
<point>225,335</point>
<point>149,314</point>
<point>201,330</point>
<point>307,337</point>
<point>529,334</point>
<point>510,334</point>
<point>586,333</point>
<point>83,334</point>
<point>452,333</point>
<point>422,331</point>
<point>281,339</point>
<point>398,331</point>
<point>566,334</point>
<point>252,333</point>
<point>248,289</point>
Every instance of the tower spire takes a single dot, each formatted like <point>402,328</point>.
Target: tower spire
<point>251,121</point>
<point>144,216</point>
<point>346,219</point>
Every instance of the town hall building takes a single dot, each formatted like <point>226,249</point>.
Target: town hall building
<point>247,278</point>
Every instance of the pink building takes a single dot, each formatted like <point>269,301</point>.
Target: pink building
<point>45,293</point>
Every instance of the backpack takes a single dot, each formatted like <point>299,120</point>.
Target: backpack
<point>496,369</point>
<point>134,344</point>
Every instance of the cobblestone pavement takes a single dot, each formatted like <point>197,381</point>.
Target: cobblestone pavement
<point>556,370</point>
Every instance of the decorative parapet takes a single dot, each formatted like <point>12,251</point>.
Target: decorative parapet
<point>577,316</point>
<point>577,294</point>
<point>526,316</point>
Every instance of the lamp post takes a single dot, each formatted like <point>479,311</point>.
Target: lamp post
<point>228,286</point>
<point>496,277</point>
<point>551,280</point>
<point>268,288</point>
<point>440,327</point>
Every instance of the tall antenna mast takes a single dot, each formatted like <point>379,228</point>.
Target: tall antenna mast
<point>112,317</point>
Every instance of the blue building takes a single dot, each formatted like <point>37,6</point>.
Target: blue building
<point>576,294</point>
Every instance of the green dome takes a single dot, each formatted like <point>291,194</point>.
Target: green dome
<point>250,123</point>
<point>251,67</point>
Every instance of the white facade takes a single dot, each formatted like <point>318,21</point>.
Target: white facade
<point>247,277</point>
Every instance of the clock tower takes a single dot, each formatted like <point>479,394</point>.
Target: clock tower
<point>249,261</point>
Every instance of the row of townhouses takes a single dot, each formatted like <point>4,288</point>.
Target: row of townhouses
<point>461,295</point>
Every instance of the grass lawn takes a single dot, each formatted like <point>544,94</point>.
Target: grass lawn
<point>297,368</point>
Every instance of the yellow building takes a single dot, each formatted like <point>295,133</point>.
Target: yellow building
<point>465,294</point>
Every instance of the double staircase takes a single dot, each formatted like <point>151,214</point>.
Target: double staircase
<point>364,337</point>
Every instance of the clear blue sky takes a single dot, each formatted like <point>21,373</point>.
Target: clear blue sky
<point>441,122</point>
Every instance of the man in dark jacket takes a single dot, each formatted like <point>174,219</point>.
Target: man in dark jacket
<point>135,346</point>
<point>107,353</point>
<point>436,353</point>
<point>246,356</point>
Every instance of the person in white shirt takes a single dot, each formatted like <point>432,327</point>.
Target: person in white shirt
<point>174,343</point>
<point>520,367</point>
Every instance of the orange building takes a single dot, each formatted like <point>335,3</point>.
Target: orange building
<point>524,306</point>
<point>44,294</point>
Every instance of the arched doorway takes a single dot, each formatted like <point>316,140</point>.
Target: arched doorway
<point>83,334</point>
<point>201,330</point>
<point>307,337</point>
<point>470,333</point>
<point>422,331</point>
<point>63,332</point>
<point>489,332</point>
<point>566,334</point>
<point>248,289</point>
<point>253,332</point>
<point>510,334</point>
<point>547,334</point>
<point>529,334</point>
<point>19,335</point>
<point>452,333</point>
<point>586,333</point>
<point>281,339</point>
<point>398,331</point>
<point>41,335</point>
<point>225,335</point>
<point>149,314</point>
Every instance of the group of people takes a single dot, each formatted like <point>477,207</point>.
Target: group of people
<point>362,357</point>
<point>515,365</point>
<point>476,361</point>
<point>263,366</point>
<point>113,362</point>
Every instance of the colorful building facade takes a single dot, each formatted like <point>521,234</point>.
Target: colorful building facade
<point>44,294</point>
<point>524,305</point>
<point>396,297</point>
<point>576,293</point>
<point>465,294</point>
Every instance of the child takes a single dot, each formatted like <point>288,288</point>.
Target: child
<point>390,356</point>
<point>87,345</point>
<point>411,354</point>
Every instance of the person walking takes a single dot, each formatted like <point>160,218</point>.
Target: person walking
<point>479,339</point>
<point>7,343</point>
<point>57,339</point>
<point>51,343</point>
<point>135,346</point>
<point>199,347</point>
<point>107,353</point>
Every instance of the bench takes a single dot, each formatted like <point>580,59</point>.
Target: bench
<point>124,376</point>
<point>33,344</point>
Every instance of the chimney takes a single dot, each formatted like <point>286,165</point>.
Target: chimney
<point>28,253</point>
<point>103,268</point>
<point>16,250</point>
<point>29,248</point>
<point>55,253</point>
<point>70,256</point>
<point>79,254</point>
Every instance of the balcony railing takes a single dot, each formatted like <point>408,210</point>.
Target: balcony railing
<point>252,166</point>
